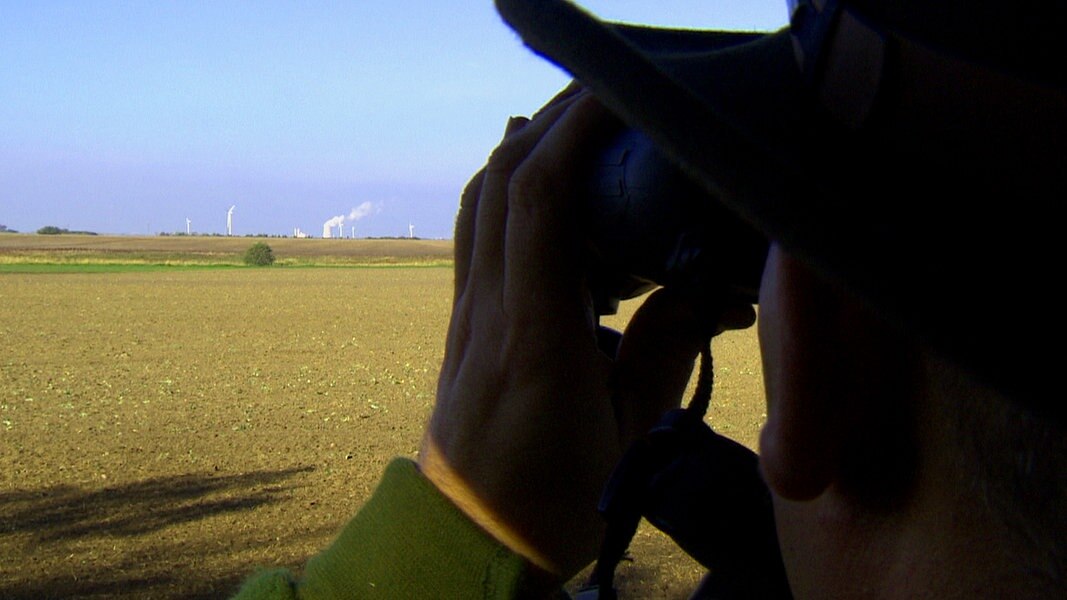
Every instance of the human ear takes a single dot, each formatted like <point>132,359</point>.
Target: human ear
<point>838,379</point>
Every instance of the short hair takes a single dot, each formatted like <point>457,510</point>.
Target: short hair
<point>1015,462</point>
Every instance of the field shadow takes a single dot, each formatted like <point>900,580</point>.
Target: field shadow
<point>65,512</point>
<point>63,516</point>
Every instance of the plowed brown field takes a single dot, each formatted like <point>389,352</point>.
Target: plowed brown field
<point>164,433</point>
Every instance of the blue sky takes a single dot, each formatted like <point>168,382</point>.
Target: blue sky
<point>131,117</point>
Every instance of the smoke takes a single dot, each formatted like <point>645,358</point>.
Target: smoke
<point>327,227</point>
<point>362,210</point>
<point>356,214</point>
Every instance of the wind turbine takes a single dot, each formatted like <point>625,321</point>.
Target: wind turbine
<point>411,231</point>
<point>188,226</point>
<point>229,220</point>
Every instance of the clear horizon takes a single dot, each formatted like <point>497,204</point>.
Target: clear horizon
<point>132,118</point>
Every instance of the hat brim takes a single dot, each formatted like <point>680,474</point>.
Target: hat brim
<point>742,146</point>
<point>731,109</point>
<point>728,107</point>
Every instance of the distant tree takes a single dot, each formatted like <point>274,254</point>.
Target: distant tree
<point>53,230</point>
<point>259,255</point>
<point>4,229</point>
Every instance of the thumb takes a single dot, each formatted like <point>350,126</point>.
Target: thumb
<point>658,350</point>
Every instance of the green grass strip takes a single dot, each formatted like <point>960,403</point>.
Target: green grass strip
<point>46,268</point>
<point>102,267</point>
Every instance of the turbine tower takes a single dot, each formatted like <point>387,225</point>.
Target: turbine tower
<point>188,226</point>
<point>229,220</point>
<point>411,231</point>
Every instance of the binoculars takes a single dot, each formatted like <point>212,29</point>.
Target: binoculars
<point>649,224</point>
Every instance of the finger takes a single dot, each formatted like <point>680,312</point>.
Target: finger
<point>478,263</point>
<point>656,357</point>
<point>739,315</point>
<point>515,124</point>
<point>544,255</point>
<point>468,210</point>
<point>487,262</point>
<point>573,89</point>
<point>464,234</point>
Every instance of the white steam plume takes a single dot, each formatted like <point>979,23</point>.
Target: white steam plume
<point>334,222</point>
<point>362,210</point>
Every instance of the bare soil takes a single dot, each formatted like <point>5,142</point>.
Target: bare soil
<point>165,433</point>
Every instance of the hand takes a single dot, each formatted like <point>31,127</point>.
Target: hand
<point>531,416</point>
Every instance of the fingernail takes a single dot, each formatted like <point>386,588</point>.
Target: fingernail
<point>515,124</point>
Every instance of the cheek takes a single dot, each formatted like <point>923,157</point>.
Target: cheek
<point>817,567</point>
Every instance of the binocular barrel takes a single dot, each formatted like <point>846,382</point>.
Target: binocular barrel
<point>649,224</point>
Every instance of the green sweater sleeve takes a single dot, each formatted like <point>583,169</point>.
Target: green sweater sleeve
<point>408,541</point>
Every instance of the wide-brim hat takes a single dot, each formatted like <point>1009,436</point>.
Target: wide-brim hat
<point>929,183</point>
